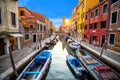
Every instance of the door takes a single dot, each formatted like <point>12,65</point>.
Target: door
<point>90,41</point>
<point>102,40</point>
<point>2,51</point>
<point>34,38</point>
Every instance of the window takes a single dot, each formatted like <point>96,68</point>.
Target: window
<point>105,8</point>
<point>112,39</point>
<point>13,19</point>
<point>96,12</point>
<point>94,38</point>
<point>22,13</point>
<point>113,1</point>
<point>0,16</point>
<point>92,15</point>
<point>86,17</point>
<point>40,27</point>
<point>85,27</point>
<point>82,5</point>
<point>85,36</point>
<point>83,15</point>
<point>103,24</point>
<point>26,36</point>
<point>114,17</point>
<point>44,28</point>
<point>31,25</point>
<point>95,25</point>
<point>91,26</point>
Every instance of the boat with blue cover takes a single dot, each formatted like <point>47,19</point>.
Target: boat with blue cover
<point>36,69</point>
<point>76,66</point>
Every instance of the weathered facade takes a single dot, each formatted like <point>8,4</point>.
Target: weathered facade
<point>114,29</point>
<point>34,27</point>
<point>96,24</point>
<point>9,27</point>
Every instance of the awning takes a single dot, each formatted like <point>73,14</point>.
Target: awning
<point>16,35</point>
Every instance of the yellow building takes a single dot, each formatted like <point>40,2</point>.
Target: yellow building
<point>82,8</point>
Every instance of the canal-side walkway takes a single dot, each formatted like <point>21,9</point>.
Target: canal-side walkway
<point>20,57</point>
<point>58,68</point>
<point>111,57</point>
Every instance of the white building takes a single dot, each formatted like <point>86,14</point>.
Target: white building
<point>9,26</point>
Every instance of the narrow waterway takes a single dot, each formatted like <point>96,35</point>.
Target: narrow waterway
<point>58,69</point>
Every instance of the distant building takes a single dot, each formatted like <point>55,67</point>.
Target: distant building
<point>74,22</point>
<point>33,26</point>
<point>9,26</point>
<point>96,24</point>
<point>114,29</point>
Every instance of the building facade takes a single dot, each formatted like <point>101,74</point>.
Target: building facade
<point>82,8</point>
<point>74,22</point>
<point>96,24</point>
<point>9,26</point>
<point>114,29</point>
<point>33,27</point>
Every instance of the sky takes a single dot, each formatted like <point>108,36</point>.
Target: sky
<point>54,10</point>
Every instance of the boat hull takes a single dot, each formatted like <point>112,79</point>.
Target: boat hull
<point>36,69</point>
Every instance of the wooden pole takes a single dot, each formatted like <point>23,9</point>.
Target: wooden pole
<point>12,62</point>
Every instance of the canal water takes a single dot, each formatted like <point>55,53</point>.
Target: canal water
<point>58,69</point>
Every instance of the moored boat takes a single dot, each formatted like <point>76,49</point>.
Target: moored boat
<point>37,67</point>
<point>97,69</point>
<point>74,45</point>
<point>76,66</point>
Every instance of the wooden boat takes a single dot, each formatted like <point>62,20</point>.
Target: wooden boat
<point>37,67</point>
<point>76,66</point>
<point>97,69</point>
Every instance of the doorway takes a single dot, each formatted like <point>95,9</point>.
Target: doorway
<point>90,41</point>
<point>34,38</point>
<point>2,50</point>
<point>102,40</point>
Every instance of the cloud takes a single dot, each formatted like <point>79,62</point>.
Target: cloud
<point>56,21</point>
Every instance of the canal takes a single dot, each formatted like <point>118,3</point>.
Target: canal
<point>59,68</point>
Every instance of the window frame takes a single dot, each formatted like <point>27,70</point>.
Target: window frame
<point>109,39</point>
<point>31,24</point>
<point>96,14</point>
<point>90,26</point>
<point>101,24</point>
<point>23,14</point>
<point>116,18</point>
<point>0,16</point>
<point>91,14</point>
<point>13,19</point>
<point>96,25</point>
<point>113,3</point>
<point>25,37</point>
<point>41,27</point>
<point>104,8</point>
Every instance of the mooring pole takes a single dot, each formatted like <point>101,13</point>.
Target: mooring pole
<point>12,62</point>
